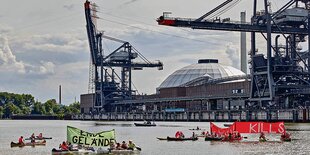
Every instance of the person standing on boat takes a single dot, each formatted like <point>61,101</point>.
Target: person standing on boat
<point>21,140</point>
<point>131,145</point>
<point>193,135</point>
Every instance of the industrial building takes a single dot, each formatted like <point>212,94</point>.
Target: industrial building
<point>206,85</point>
<point>279,79</point>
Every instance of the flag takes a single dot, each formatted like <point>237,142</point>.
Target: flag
<point>77,136</point>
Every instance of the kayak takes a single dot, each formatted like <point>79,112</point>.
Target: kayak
<point>181,139</point>
<point>75,151</point>
<point>37,138</point>
<point>28,144</point>
<point>286,139</point>
<point>213,139</point>
<point>124,151</point>
<point>231,140</point>
<point>200,135</point>
<point>194,129</point>
<point>144,124</point>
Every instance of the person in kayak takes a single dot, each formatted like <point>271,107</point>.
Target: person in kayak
<point>118,146</point>
<point>262,137</point>
<point>197,128</point>
<point>40,136</point>
<point>124,145</point>
<point>230,137</point>
<point>285,136</point>
<point>21,140</point>
<point>131,145</point>
<point>179,134</point>
<point>112,146</point>
<point>32,138</point>
<point>64,146</point>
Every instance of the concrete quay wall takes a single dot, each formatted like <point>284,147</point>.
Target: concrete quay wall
<point>287,115</point>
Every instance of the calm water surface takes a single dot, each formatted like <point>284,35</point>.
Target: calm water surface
<point>145,137</point>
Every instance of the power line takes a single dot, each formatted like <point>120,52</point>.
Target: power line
<point>171,35</point>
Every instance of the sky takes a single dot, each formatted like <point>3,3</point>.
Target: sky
<point>43,44</point>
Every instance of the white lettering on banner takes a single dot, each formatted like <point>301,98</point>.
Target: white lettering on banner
<point>281,128</point>
<point>252,128</point>
<point>270,128</point>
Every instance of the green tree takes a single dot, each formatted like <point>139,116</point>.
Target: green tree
<point>28,99</point>
<point>26,110</point>
<point>75,108</point>
<point>10,109</point>
<point>50,105</point>
<point>38,108</point>
<point>1,111</point>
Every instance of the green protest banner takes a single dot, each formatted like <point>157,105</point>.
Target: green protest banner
<point>77,136</point>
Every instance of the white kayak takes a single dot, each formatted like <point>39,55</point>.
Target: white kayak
<point>102,151</point>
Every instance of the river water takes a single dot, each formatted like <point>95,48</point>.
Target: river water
<point>145,137</point>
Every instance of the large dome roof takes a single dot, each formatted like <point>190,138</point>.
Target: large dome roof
<point>209,68</point>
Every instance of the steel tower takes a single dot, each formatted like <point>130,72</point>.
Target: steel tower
<point>109,86</point>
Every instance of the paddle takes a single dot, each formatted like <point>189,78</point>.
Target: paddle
<point>138,148</point>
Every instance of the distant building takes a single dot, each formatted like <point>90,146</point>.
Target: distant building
<point>206,85</point>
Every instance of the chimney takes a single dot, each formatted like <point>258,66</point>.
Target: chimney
<point>59,94</point>
<point>243,45</point>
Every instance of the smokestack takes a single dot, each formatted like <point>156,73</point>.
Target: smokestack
<point>59,94</point>
<point>243,45</point>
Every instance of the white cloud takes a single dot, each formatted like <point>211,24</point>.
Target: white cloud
<point>233,55</point>
<point>8,61</point>
<point>47,67</point>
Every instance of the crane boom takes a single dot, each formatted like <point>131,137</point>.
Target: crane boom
<point>227,26</point>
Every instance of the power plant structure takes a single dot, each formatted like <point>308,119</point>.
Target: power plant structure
<point>279,79</point>
<point>110,87</point>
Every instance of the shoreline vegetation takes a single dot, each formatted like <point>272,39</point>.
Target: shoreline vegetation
<point>24,105</point>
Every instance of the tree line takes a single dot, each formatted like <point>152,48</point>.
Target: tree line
<point>25,104</point>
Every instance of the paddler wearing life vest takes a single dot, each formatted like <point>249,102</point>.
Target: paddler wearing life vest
<point>64,146</point>
<point>179,134</point>
<point>131,145</point>
<point>285,136</point>
<point>32,138</point>
<point>21,140</point>
<point>262,137</point>
<point>40,136</point>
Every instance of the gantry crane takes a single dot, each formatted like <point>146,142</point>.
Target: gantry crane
<point>109,86</point>
<point>282,78</point>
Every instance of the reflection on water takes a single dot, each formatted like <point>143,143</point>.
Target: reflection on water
<point>145,137</point>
